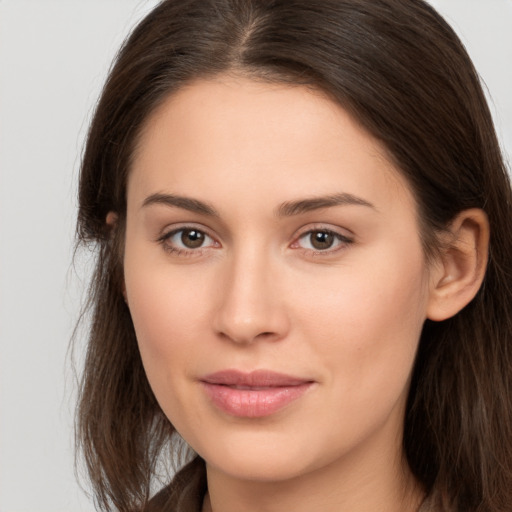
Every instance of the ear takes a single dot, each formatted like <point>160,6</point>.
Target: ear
<point>460,269</point>
<point>111,219</point>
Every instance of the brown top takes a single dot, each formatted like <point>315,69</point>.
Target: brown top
<point>427,506</point>
<point>185,493</point>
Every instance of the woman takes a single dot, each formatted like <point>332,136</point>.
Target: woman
<point>302,219</point>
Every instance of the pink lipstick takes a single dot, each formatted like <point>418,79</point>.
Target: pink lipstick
<point>255,394</point>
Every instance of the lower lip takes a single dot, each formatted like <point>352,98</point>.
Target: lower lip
<point>253,403</point>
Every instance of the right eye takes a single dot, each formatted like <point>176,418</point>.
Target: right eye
<point>186,240</point>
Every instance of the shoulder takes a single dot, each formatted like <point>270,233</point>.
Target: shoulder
<point>428,505</point>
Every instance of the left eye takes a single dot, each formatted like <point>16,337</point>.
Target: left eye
<point>188,239</point>
<point>322,240</point>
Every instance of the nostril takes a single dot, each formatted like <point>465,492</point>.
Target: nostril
<point>248,338</point>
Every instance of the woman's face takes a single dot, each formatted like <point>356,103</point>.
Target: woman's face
<point>275,277</point>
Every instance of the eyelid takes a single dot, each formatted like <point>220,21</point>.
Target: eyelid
<point>344,235</point>
<point>170,231</point>
<point>179,226</point>
<point>337,230</point>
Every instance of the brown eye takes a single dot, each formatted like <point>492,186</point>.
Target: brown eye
<point>322,240</point>
<point>187,241</point>
<point>192,238</point>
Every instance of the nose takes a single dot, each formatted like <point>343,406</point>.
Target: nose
<point>251,305</point>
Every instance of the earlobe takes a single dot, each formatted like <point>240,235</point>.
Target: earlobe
<point>460,270</point>
<point>111,219</point>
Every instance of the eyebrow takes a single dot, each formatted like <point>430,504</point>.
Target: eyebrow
<point>287,209</point>
<point>317,203</point>
<point>187,203</point>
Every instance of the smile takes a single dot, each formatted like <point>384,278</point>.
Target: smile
<point>253,395</point>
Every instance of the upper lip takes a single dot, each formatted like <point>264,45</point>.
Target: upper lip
<point>257,378</point>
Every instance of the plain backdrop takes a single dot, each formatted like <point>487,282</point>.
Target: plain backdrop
<point>54,56</point>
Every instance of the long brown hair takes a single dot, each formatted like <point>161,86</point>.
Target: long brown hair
<point>401,71</point>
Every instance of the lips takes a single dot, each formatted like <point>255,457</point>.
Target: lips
<point>255,394</point>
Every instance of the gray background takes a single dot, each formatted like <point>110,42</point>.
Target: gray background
<point>53,59</point>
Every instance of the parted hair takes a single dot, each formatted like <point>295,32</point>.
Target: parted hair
<point>399,69</point>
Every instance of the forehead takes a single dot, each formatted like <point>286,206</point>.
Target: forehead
<point>250,136</point>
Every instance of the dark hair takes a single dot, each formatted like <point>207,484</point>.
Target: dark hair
<point>401,71</point>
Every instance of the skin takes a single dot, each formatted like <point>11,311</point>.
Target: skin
<point>258,295</point>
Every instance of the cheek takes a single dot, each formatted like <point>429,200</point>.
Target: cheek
<point>166,309</point>
<point>366,324</point>
<point>166,314</point>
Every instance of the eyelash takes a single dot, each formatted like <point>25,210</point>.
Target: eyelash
<point>164,240</point>
<point>342,242</point>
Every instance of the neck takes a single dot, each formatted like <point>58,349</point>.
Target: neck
<point>358,483</point>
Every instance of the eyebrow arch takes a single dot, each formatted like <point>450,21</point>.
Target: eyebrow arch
<point>316,203</point>
<point>187,203</point>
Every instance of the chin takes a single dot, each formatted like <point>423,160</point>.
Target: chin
<point>264,457</point>
<point>264,469</point>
